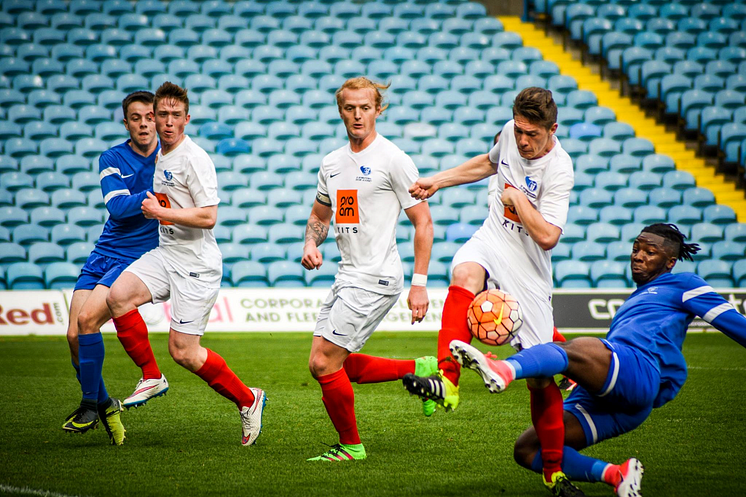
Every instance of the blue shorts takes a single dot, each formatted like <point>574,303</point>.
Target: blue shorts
<point>624,402</point>
<point>100,270</point>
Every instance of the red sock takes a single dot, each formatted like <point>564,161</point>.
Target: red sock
<point>557,336</point>
<point>363,368</point>
<point>339,400</point>
<point>612,475</point>
<point>453,328</point>
<point>133,333</point>
<point>546,415</point>
<point>219,376</point>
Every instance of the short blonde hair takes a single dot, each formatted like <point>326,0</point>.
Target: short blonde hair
<point>361,83</point>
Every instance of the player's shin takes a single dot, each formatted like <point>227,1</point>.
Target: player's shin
<point>224,381</point>
<point>454,327</point>
<point>91,356</point>
<point>576,466</point>
<point>546,416</point>
<point>339,400</point>
<point>133,334</point>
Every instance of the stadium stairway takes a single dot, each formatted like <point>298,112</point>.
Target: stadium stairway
<point>645,127</point>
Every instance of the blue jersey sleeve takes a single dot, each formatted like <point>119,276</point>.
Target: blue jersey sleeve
<point>117,197</point>
<point>703,301</point>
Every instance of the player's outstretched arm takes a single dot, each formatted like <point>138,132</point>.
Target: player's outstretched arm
<point>191,217</point>
<point>419,216</point>
<point>545,234</point>
<point>317,229</point>
<point>475,169</point>
<point>710,306</point>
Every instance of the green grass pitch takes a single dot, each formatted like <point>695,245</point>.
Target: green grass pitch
<point>188,442</point>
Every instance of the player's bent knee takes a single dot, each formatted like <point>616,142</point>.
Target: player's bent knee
<point>469,276</point>
<point>524,453</point>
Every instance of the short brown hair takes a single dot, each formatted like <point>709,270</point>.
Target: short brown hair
<point>145,97</point>
<point>537,106</point>
<point>361,83</point>
<point>170,90</point>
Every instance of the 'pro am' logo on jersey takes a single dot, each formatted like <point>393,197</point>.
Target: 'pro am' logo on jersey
<point>366,174</point>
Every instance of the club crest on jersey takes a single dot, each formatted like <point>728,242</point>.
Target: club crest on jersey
<point>531,184</point>
<point>366,174</point>
<point>169,176</point>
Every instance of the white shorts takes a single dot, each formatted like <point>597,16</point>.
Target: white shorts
<point>538,319</point>
<point>350,315</point>
<point>191,299</point>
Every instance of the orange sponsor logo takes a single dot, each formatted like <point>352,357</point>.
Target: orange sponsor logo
<point>347,207</point>
<point>510,212</point>
<point>165,203</point>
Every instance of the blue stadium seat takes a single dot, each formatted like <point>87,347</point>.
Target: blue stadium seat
<point>608,274</point>
<point>61,275</point>
<point>572,274</point>
<point>728,251</point>
<point>664,197</point>
<point>645,180</point>
<point>266,252</point>
<point>706,232</point>
<point>716,272</point>
<point>249,274</point>
<point>46,253</point>
<point>582,215</point>
<point>648,214</point>
<point>684,215</point>
<point>284,273</point>
<point>24,276</point>
<point>65,234</point>
<point>588,251</point>
<point>719,214</point>
<point>736,232</point>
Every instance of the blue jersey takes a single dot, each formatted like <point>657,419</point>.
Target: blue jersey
<point>655,318</point>
<point>126,176</point>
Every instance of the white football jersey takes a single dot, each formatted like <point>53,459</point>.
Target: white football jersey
<point>184,178</point>
<point>366,192</point>
<point>547,183</point>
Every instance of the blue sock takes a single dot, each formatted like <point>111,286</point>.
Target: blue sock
<point>77,370</point>
<point>576,466</point>
<point>543,360</point>
<point>91,357</point>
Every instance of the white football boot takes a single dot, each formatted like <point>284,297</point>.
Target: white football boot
<point>146,390</point>
<point>251,417</point>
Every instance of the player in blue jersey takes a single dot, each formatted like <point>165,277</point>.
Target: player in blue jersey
<point>126,173</point>
<point>639,366</point>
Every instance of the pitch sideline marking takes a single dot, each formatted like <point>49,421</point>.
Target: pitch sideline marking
<point>31,491</point>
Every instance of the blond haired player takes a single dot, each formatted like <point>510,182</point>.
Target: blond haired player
<point>512,251</point>
<point>187,265</point>
<point>363,187</point>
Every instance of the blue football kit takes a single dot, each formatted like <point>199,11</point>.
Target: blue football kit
<point>126,177</point>
<point>647,366</point>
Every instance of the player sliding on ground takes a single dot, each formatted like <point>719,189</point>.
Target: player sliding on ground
<point>187,265</point>
<point>126,175</point>
<point>511,251</point>
<point>363,185</point>
<point>639,366</point>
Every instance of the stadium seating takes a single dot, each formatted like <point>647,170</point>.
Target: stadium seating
<point>261,77</point>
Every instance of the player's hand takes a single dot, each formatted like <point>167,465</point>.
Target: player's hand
<point>423,189</point>
<point>150,207</point>
<point>418,302</point>
<point>510,196</point>
<point>312,258</point>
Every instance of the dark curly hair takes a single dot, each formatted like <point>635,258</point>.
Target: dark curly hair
<point>671,233</point>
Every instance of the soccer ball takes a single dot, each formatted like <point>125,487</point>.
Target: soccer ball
<point>494,317</point>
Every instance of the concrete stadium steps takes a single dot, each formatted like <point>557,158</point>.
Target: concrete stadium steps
<point>645,127</point>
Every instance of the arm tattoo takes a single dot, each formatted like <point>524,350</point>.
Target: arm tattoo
<point>316,231</point>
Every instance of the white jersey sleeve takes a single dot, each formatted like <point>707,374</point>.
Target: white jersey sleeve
<point>403,174</point>
<point>202,181</point>
<point>553,203</point>
<point>322,192</point>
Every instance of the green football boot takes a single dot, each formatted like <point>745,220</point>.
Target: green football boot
<point>426,366</point>
<point>111,419</point>
<point>561,486</point>
<point>342,452</point>
<point>435,387</point>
